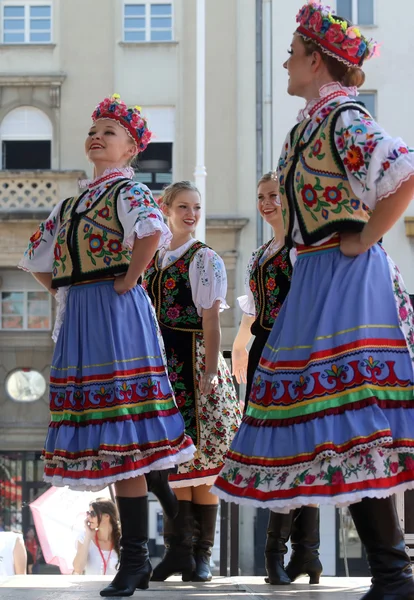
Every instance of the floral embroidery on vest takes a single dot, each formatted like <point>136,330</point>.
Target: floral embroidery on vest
<point>270,283</point>
<point>89,243</point>
<point>170,291</point>
<point>314,183</point>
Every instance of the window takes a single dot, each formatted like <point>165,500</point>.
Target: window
<point>369,100</point>
<point>155,166</point>
<point>148,22</point>
<point>27,23</point>
<point>360,12</point>
<point>25,310</point>
<point>26,139</point>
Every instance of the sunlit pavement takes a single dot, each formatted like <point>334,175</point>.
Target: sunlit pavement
<point>60,587</point>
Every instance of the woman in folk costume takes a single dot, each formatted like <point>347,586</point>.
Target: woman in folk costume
<point>188,284</point>
<point>331,413</point>
<point>113,414</point>
<point>268,277</point>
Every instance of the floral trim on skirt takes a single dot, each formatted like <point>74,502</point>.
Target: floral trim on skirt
<point>331,413</point>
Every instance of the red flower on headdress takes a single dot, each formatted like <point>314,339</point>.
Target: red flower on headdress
<point>315,21</point>
<point>335,34</point>
<point>304,15</point>
<point>351,46</point>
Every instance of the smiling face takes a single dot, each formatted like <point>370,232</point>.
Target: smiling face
<point>301,68</point>
<point>268,202</point>
<point>184,212</point>
<point>109,145</point>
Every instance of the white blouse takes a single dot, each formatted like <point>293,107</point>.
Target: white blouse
<point>246,302</point>
<point>94,564</point>
<point>207,275</point>
<point>376,163</point>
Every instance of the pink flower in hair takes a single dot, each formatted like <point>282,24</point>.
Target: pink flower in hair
<point>352,32</point>
<point>316,21</point>
<point>351,46</point>
<point>335,35</point>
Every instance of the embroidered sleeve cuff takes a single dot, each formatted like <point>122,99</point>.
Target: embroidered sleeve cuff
<point>146,228</point>
<point>397,173</point>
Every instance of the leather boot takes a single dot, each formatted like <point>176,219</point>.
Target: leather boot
<point>376,521</point>
<point>206,516</point>
<point>157,483</point>
<point>305,540</point>
<point>134,565</point>
<point>178,541</point>
<point>278,533</point>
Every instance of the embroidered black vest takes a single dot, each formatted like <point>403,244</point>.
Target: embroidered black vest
<point>170,292</point>
<point>89,244</point>
<point>314,184</point>
<point>269,283</point>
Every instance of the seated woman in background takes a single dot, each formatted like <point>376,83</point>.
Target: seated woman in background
<point>98,546</point>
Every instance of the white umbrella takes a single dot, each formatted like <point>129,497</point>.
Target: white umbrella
<point>59,516</point>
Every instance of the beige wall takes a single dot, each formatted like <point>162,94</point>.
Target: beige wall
<point>93,62</point>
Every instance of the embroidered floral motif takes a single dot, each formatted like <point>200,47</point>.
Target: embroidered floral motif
<point>39,236</point>
<point>269,283</point>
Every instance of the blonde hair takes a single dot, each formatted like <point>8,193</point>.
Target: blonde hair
<point>270,176</point>
<point>171,192</point>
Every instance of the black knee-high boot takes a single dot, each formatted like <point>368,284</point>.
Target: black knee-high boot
<point>135,567</point>
<point>206,516</point>
<point>376,521</point>
<point>157,483</point>
<point>278,532</point>
<point>178,541</point>
<point>305,540</point>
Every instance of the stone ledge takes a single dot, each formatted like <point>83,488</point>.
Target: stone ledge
<point>226,222</point>
<point>31,79</point>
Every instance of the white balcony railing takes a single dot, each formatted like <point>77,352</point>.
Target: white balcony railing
<point>34,191</point>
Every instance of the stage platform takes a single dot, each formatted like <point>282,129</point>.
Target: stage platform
<point>60,587</point>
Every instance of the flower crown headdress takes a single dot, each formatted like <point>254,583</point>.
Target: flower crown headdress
<point>334,35</point>
<point>129,118</point>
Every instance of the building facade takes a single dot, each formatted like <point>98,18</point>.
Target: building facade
<point>58,59</point>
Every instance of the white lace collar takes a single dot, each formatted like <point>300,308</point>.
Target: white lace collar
<point>326,93</point>
<point>108,174</point>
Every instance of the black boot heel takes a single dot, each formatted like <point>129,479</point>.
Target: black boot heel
<point>278,533</point>
<point>178,541</point>
<point>134,566</point>
<point>205,516</point>
<point>305,541</point>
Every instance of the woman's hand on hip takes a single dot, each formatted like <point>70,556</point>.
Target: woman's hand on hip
<point>122,286</point>
<point>351,244</point>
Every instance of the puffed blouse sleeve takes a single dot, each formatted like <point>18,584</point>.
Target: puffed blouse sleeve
<point>376,163</point>
<point>39,257</point>
<point>246,302</point>
<point>208,280</point>
<point>139,214</point>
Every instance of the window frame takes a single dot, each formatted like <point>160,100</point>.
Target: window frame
<point>27,4</point>
<point>148,28</point>
<point>354,15</point>
<point>374,93</point>
<point>25,328</point>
